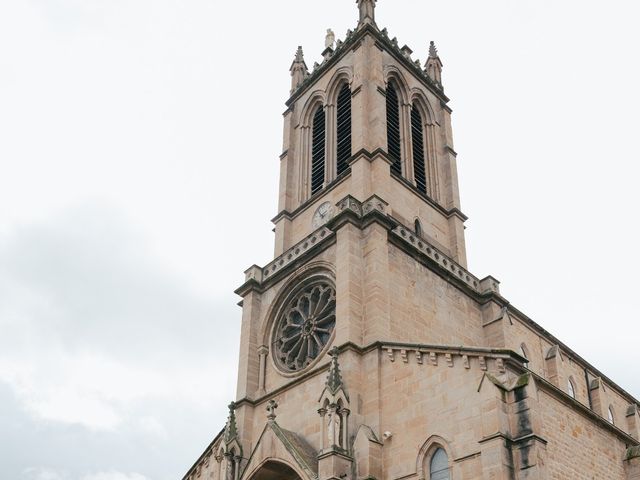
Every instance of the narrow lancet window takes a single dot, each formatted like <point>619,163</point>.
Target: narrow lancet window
<point>417,138</point>
<point>571,389</point>
<point>439,467</point>
<point>344,129</point>
<point>393,130</point>
<point>317,151</point>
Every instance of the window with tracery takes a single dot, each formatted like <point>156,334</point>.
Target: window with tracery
<point>304,326</point>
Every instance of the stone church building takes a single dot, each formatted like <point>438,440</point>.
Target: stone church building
<point>368,350</point>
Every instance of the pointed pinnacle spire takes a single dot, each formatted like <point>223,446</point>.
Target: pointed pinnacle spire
<point>299,70</point>
<point>334,379</point>
<point>367,11</point>
<point>433,51</point>
<point>433,67</point>
<point>231,429</point>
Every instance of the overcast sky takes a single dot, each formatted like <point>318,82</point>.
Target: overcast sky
<point>139,144</point>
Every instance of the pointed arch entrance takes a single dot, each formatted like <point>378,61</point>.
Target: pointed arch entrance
<point>275,470</point>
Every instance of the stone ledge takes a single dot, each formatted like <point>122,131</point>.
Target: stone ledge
<point>296,251</point>
<point>488,284</point>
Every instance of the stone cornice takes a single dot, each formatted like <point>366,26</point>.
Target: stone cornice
<point>257,278</point>
<point>444,262</point>
<point>507,356</point>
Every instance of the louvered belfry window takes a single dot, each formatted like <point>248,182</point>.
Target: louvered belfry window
<point>317,150</point>
<point>344,129</point>
<point>393,130</point>
<point>417,139</point>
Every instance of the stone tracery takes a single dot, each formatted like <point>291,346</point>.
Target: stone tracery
<point>305,326</point>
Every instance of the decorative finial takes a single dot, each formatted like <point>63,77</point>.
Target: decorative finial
<point>271,410</point>
<point>433,67</point>
<point>299,70</point>
<point>367,11</point>
<point>329,39</point>
<point>231,429</point>
<point>334,379</point>
<point>433,51</point>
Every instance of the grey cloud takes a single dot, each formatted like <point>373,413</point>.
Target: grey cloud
<point>103,289</point>
<point>85,281</point>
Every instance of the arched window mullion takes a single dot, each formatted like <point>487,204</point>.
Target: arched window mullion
<point>393,130</point>
<point>318,134</point>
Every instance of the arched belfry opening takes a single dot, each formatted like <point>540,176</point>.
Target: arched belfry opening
<point>394,148</point>
<point>318,150</point>
<point>275,470</point>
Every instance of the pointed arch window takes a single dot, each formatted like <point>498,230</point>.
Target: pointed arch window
<point>611,417</point>
<point>418,143</point>
<point>343,124</point>
<point>525,353</point>
<point>318,135</point>
<point>571,389</point>
<point>439,466</point>
<point>393,130</point>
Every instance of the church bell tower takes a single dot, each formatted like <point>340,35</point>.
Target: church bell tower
<point>368,350</point>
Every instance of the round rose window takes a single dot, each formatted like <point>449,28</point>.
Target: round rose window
<point>305,326</point>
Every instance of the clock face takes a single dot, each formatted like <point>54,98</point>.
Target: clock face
<point>323,214</point>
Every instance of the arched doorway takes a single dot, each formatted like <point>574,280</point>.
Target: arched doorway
<point>274,470</point>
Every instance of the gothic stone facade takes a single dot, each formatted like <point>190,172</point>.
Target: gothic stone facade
<point>368,351</point>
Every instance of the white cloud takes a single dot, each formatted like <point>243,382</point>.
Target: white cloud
<point>52,474</point>
<point>43,474</point>
<point>95,327</point>
<point>114,476</point>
